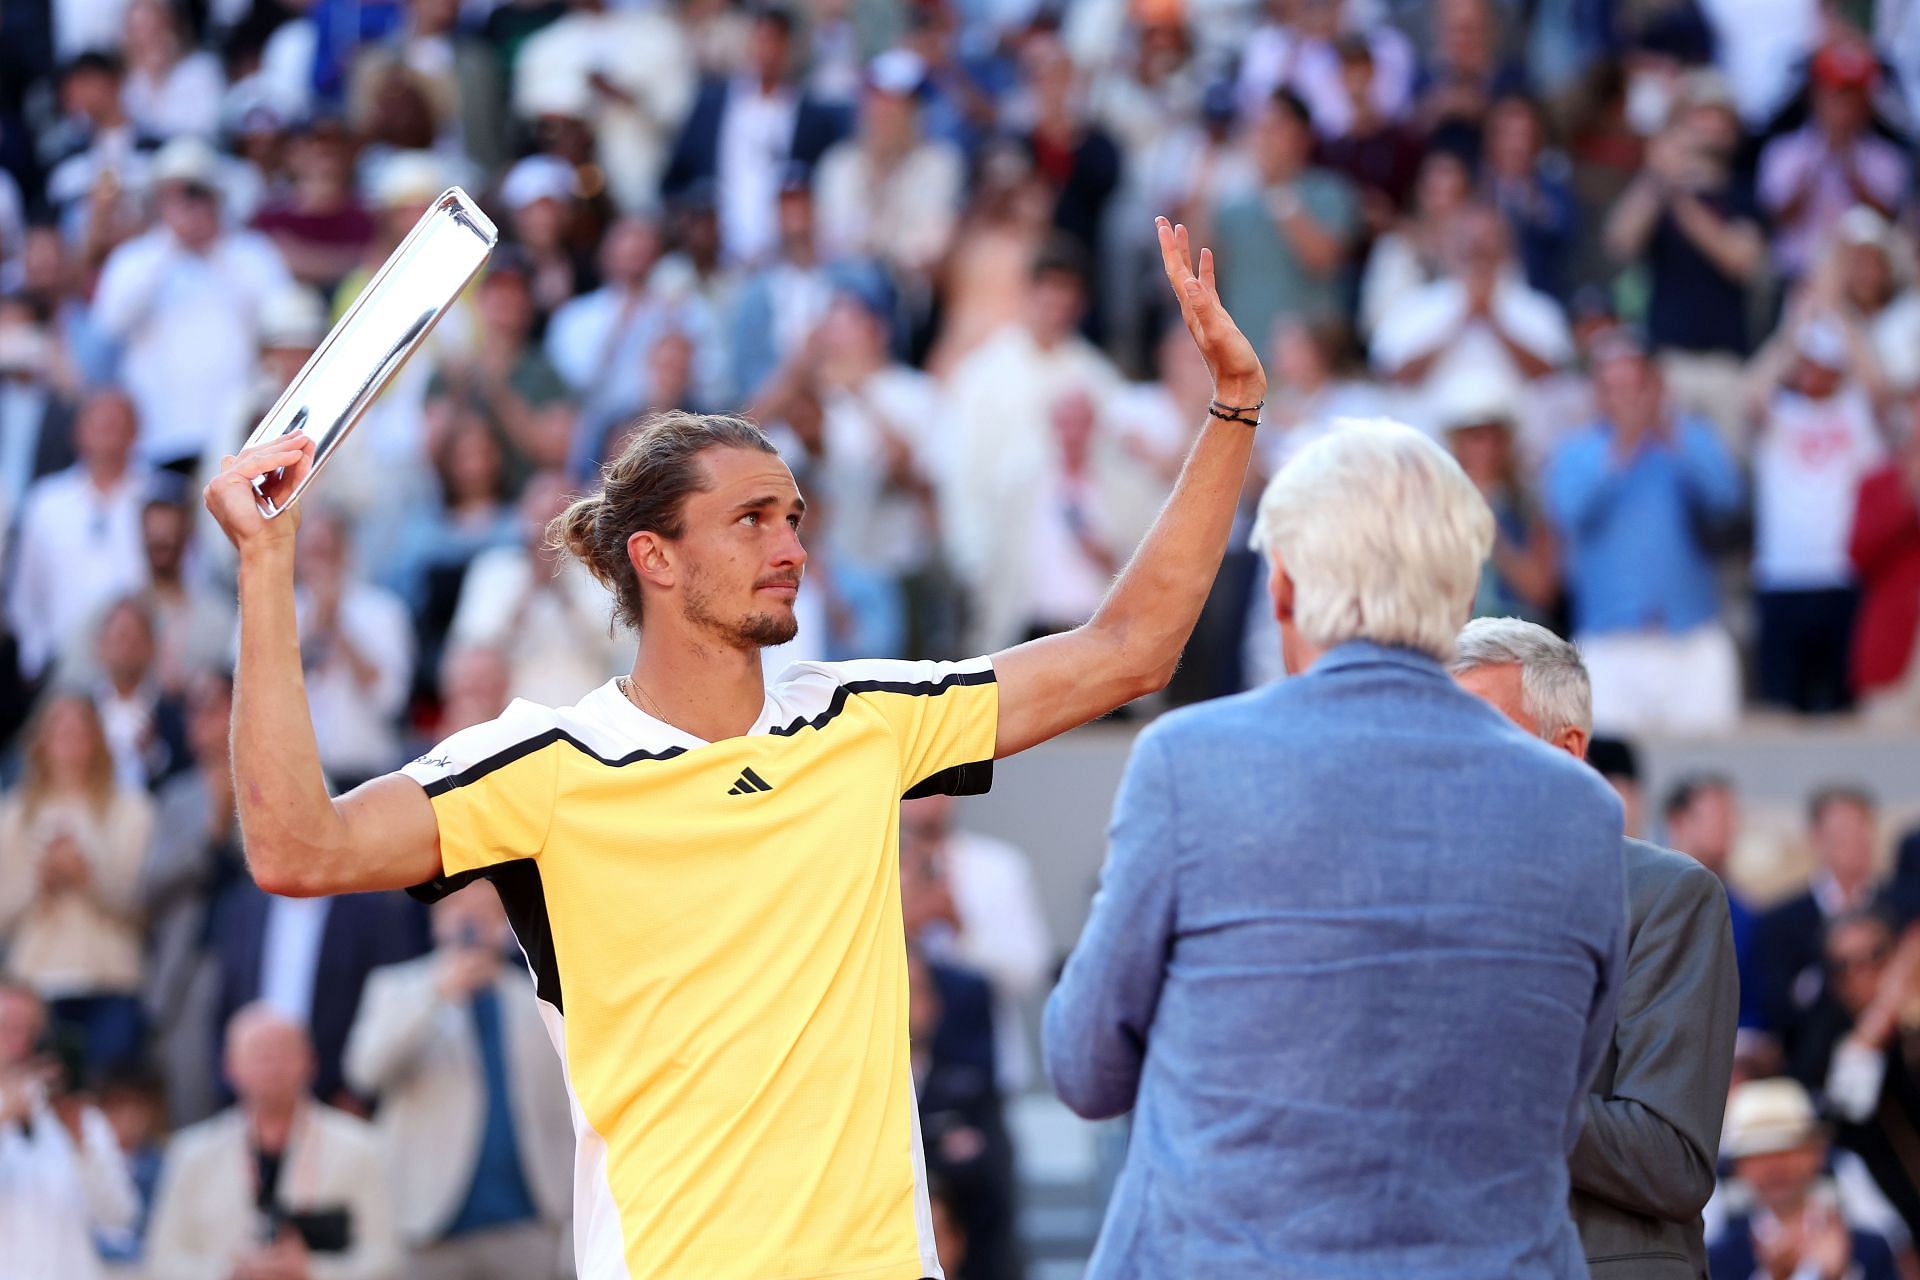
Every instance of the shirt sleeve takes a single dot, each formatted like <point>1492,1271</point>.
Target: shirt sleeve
<point>492,788</point>
<point>943,715</point>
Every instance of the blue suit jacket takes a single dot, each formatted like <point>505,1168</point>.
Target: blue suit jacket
<point>1353,961</point>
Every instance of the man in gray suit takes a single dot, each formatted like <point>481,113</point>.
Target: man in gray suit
<point>1357,943</point>
<point>1644,1165</point>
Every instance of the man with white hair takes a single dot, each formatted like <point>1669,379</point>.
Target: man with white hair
<point>1644,1165</point>
<point>1358,941</point>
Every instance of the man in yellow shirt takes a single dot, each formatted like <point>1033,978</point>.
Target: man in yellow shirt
<point>703,869</point>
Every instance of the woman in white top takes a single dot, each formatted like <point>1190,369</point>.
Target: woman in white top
<point>72,841</point>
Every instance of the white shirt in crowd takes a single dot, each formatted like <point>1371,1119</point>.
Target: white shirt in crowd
<point>1895,332</point>
<point>290,954</point>
<point>54,1194</point>
<point>1807,467</point>
<point>356,727</point>
<point>127,722</point>
<point>79,548</point>
<point>644,52</point>
<point>186,323</point>
<point>1002,936</point>
<point>903,216</point>
<point>756,139</point>
<point>1434,317</point>
<point>81,26</point>
<point>1065,584</point>
<point>1276,56</point>
<point>555,632</point>
<point>186,101</point>
<point>888,529</point>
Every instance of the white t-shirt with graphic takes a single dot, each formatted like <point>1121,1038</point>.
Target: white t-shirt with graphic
<point>1807,468</point>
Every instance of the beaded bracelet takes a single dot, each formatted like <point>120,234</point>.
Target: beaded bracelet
<point>1250,415</point>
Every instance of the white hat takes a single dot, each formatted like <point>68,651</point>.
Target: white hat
<point>1863,224</point>
<point>23,349</point>
<point>294,317</point>
<point>1822,342</point>
<point>897,72</point>
<point>1764,1116</point>
<point>407,178</point>
<point>537,178</point>
<point>186,159</point>
<point>1472,395</point>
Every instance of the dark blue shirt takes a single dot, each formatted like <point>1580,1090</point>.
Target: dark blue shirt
<point>1694,306</point>
<point>498,1195</point>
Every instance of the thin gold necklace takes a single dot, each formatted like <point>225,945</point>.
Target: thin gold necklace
<point>645,702</point>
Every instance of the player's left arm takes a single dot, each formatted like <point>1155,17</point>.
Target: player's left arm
<point>1130,646</point>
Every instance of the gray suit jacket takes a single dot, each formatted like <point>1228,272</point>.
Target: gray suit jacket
<point>1645,1161</point>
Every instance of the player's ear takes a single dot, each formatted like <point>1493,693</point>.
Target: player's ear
<point>647,553</point>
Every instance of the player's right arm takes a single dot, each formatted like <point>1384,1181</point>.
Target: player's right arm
<point>300,841</point>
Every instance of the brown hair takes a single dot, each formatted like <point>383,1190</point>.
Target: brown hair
<point>34,783</point>
<point>645,490</point>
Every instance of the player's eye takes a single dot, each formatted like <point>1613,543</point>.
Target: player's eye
<point>752,518</point>
<point>793,522</point>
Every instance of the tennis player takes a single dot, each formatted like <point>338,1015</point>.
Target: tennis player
<point>703,870</point>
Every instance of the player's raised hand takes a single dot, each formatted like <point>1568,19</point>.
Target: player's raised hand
<point>1238,378</point>
<point>235,503</point>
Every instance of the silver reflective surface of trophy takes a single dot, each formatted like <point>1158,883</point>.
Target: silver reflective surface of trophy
<point>386,324</point>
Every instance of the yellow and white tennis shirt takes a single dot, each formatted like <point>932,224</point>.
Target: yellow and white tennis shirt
<point>714,929</point>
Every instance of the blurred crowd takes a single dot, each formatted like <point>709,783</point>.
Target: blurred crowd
<point>1648,267</point>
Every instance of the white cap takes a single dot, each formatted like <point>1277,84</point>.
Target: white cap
<point>294,318</point>
<point>1471,395</point>
<point>186,159</point>
<point>899,72</point>
<point>23,349</point>
<point>537,178</point>
<point>1764,1116</point>
<point>407,178</point>
<point>1863,224</point>
<point>1822,342</point>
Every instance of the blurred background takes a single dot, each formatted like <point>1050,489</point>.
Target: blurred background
<point>1647,267</point>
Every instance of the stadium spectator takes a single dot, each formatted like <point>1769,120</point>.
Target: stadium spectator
<point>1633,497</point>
<point>475,686</point>
<point>1689,219</point>
<point>1413,253</point>
<point>1474,411</point>
<point>1817,438</point>
<point>546,613</point>
<point>144,726</point>
<point>1615,760</point>
<point>1001,413</point>
<point>976,906</point>
<point>69,883</point>
<point>101,160</point>
<point>1795,1226</point>
<point>627,73</point>
<point>184,301</point>
<point>1462,75</point>
<point>599,341</point>
<point>318,224</point>
<point>1701,818</point>
<point>889,194</point>
<point>1378,153</point>
<point>61,1176</point>
<point>278,1185</point>
<point>79,540</point>
<point>1291,233</point>
<point>1870,281</point>
<point>194,857</point>
<point>1481,314</point>
<point>193,624</point>
<point>36,419</point>
<point>541,197</point>
<point>171,88</point>
<point>1809,178</point>
<point>132,1103</point>
<point>1526,182</point>
<point>1842,830</point>
<point>1072,153</point>
<point>779,302</point>
<point>1885,550</point>
<point>1298,48</point>
<point>472,1101</point>
<point>743,133</point>
<point>357,649</point>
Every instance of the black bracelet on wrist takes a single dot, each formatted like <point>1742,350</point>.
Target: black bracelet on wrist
<point>1250,415</point>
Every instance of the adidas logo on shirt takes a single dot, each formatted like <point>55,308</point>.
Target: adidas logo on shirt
<point>750,783</point>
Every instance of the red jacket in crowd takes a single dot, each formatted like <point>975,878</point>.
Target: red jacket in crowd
<point>1886,552</point>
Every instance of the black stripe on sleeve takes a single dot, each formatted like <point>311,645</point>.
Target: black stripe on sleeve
<point>912,688</point>
<point>974,778</point>
<point>529,746</point>
<point>524,896</point>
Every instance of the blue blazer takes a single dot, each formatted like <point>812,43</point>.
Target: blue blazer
<point>1353,961</point>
